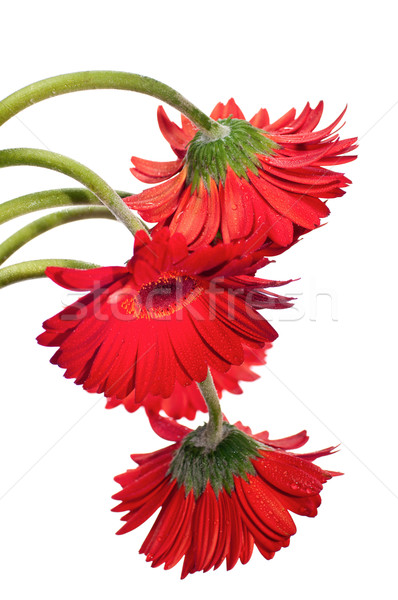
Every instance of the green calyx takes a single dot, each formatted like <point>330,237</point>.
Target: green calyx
<point>195,463</point>
<point>238,147</point>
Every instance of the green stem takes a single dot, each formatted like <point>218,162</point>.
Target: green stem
<point>33,269</point>
<point>28,233</point>
<point>115,80</point>
<point>49,199</point>
<point>57,162</point>
<point>214,429</point>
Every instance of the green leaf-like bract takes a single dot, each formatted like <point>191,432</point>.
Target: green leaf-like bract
<point>195,464</point>
<point>208,159</point>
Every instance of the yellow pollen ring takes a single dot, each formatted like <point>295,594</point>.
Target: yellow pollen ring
<point>130,306</point>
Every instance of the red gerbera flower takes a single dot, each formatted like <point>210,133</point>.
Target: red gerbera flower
<point>167,316</point>
<point>260,170</point>
<point>216,504</point>
<point>186,401</point>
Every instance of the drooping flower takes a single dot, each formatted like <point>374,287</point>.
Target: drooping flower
<point>185,401</point>
<point>276,172</point>
<point>166,317</point>
<point>217,503</point>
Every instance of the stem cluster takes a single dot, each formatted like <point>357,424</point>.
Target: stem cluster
<point>97,191</point>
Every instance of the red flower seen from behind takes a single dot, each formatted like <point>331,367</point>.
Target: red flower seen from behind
<point>273,172</point>
<point>216,504</point>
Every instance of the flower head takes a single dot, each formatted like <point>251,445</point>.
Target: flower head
<point>166,317</point>
<point>259,171</point>
<point>216,504</point>
<point>185,401</point>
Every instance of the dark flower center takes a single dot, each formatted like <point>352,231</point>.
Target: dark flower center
<point>163,297</point>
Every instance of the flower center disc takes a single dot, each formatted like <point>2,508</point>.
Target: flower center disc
<point>162,297</point>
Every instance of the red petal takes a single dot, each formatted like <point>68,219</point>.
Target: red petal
<point>143,514</point>
<point>289,205</point>
<point>289,443</point>
<point>335,160</point>
<point>236,533</point>
<point>217,334</point>
<point>237,208</point>
<point>188,349</point>
<point>205,528</point>
<point>147,362</point>
<point>305,506</point>
<point>223,111</point>
<point>85,279</point>
<point>313,189</point>
<point>191,214</point>
<point>260,119</point>
<point>298,160</point>
<point>313,118</point>
<point>300,120</point>
<point>279,228</point>
<point>222,545</point>
<point>166,527</point>
<point>247,546</point>
<point>184,537</point>
<point>154,172</point>
<point>263,507</point>
<point>244,322</point>
<point>285,120</point>
<point>212,221</point>
<point>140,482</point>
<point>314,455</point>
<point>176,137</point>
<point>304,465</point>
<point>160,201</point>
<point>166,428</point>
<point>287,478</point>
<point>188,127</point>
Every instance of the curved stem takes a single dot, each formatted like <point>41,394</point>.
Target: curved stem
<point>49,199</point>
<point>33,269</point>
<point>57,162</point>
<point>215,425</point>
<point>116,80</point>
<point>28,233</point>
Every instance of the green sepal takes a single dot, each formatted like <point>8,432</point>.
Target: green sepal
<point>195,464</point>
<point>237,149</point>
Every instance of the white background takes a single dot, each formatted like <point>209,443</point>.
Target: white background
<point>333,369</point>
